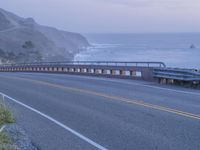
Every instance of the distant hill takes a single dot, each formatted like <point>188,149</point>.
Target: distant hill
<point>24,40</point>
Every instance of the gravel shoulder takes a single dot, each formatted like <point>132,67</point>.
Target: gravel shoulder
<point>19,139</point>
<point>12,136</point>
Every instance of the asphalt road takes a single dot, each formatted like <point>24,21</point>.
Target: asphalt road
<point>103,113</point>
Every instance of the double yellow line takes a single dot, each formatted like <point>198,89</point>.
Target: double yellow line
<point>111,97</point>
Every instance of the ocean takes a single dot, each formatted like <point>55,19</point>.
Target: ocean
<point>180,50</point>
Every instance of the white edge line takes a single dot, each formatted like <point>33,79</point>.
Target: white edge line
<point>58,123</point>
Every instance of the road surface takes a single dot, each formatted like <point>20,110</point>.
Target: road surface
<point>64,112</point>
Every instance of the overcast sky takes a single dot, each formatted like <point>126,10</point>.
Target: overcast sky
<point>94,16</point>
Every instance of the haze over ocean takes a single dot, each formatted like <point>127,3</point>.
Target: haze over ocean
<point>170,48</point>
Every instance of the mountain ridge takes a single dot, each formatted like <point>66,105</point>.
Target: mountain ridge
<point>49,43</point>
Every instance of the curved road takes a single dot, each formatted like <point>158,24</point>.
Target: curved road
<point>77,112</point>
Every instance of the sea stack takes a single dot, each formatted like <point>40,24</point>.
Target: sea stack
<point>192,46</point>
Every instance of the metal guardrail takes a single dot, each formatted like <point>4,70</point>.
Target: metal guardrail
<point>98,63</point>
<point>177,74</point>
<point>131,70</point>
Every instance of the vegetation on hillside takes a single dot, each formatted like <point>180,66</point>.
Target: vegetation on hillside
<point>30,54</point>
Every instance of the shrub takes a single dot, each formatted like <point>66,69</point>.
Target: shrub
<point>5,115</point>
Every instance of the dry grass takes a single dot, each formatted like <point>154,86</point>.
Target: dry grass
<point>4,139</point>
<point>5,115</point>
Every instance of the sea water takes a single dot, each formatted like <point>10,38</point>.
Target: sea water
<point>174,49</point>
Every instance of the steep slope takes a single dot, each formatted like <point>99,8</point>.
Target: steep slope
<point>27,41</point>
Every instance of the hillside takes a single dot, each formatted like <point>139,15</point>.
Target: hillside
<point>24,40</point>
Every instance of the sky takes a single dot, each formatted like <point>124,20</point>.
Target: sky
<point>111,16</point>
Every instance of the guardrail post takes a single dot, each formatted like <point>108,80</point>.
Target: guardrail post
<point>82,70</point>
<point>104,71</point>
<point>55,69</point>
<point>65,69</point>
<point>163,81</point>
<point>72,69</point>
<point>77,69</point>
<point>113,72</point>
<point>122,72</point>
<point>60,69</point>
<point>90,70</point>
<point>98,71</point>
<point>132,73</point>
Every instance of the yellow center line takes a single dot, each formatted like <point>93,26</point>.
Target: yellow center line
<point>111,97</point>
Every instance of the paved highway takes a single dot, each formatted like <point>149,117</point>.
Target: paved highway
<point>77,112</point>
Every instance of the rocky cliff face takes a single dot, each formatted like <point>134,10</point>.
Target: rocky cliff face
<point>24,40</point>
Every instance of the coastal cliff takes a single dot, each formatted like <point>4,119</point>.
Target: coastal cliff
<point>24,40</point>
